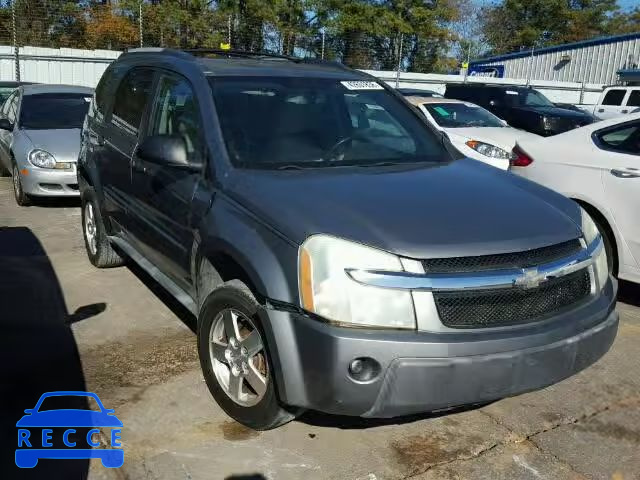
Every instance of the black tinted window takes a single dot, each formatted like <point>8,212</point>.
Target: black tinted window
<point>614,97</point>
<point>624,139</point>
<point>634,99</point>
<point>103,87</point>
<point>132,96</point>
<point>51,111</point>
<point>270,122</point>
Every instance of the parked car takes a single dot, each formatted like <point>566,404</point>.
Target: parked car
<point>615,102</point>
<point>7,88</point>
<point>336,256</point>
<point>40,139</point>
<point>417,92</point>
<point>599,167</point>
<point>475,132</point>
<point>522,107</point>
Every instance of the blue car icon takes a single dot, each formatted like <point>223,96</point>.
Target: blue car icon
<point>63,417</point>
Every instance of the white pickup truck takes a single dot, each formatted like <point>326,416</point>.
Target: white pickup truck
<point>615,102</point>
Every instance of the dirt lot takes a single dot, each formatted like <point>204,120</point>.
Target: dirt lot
<point>137,352</point>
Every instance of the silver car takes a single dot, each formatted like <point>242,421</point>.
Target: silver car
<point>40,139</point>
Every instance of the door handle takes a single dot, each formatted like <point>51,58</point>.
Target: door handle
<point>625,111</point>
<point>601,110</point>
<point>624,174</point>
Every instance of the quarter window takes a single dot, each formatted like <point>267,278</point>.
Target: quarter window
<point>176,114</point>
<point>614,97</point>
<point>131,97</point>
<point>625,139</point>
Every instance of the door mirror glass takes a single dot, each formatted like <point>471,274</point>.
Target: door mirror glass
<point>166,150</point>
<point>6,124</point>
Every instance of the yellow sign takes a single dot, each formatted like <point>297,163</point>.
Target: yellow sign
<point>465,65</point>
<point>225,46</point>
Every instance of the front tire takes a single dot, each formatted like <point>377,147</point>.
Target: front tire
<point>22,198</point>
<point>235,358</point>
<point>99,250</point>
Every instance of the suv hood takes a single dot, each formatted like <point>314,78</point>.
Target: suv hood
<point>463,208</point>
<point>556,112</point>
<point>64,144</point>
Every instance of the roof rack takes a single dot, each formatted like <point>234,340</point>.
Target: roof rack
<point>238,53</point>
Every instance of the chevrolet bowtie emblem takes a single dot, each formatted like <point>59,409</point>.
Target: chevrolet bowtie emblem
<point>530,278</point>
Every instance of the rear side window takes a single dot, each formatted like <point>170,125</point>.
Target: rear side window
<point>624,139</point>
<point>614,97</point>
<point>634,99</point>
<point>131,98</point>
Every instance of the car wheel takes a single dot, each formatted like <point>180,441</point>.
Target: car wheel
<point>235,358</point>
<point>612,254</point>
<point>22,198</point>
<point>99,250</point>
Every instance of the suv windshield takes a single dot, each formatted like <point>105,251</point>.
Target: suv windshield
<point>458,115</point>
<point>50,111</point>
<point>272,122</point>
<point>527,98</point>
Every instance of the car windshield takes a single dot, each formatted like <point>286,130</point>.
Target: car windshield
<point>285,122</point>
<point>528,98</point>
<point>460,115</point>
<point>50,111</point>
<point>68,402</point>
<point>5,92</point>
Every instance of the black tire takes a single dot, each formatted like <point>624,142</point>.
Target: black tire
<point>609,246</point>
<point>267,413</point>
<point>103,256</point>
<point>22,198</point>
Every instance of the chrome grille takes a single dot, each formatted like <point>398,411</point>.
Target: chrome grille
<point>511,306</point>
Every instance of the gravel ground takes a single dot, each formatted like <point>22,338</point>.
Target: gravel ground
<point>135,347</point>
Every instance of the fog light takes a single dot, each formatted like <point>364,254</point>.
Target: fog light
<point>364,369</point>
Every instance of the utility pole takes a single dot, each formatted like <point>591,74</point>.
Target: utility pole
<point>322,51</point>
<point>140,25</point>
<point>16,49</point>
<point>399,61</point>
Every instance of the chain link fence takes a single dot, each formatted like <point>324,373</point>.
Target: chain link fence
<point>122,24</point>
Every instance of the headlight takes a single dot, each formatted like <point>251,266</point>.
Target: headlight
<point>42,159</point>
<point>326,290</point>
<point>488,149</point>
<point>590,233</point>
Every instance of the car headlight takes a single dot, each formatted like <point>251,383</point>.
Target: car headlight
<point>488,149</point>
<point>327,290</point>
<point>591,233</point>
<point>42,158</point>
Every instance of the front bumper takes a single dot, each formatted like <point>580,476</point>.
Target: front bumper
<point>49,182</point>
<point>425,371</point>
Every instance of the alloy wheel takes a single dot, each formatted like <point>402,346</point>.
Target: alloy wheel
<point>238,357</point>
<point>90,228</point>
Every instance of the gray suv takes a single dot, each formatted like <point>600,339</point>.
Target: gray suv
<point>336,255</point>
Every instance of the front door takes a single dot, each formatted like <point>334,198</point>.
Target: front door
<point>621,147</point>
<point>117,140</point>
<point>612,104</point>
<point>165,229</point>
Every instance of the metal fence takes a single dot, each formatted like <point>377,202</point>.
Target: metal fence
<point>122,24</point>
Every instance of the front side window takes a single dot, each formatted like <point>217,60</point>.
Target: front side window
<point>10,109</point>
<point>53,111</point>
<point>101,91</point>
<point>279,122</point>
<point>624,139</point>
<point>527,98</point>
<point>5,92</point>
<point>460,115</point>
<point>132,96</point>
<point>176,114</point>
<point>614,98</point>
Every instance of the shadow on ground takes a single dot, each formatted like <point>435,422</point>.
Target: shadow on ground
<point>629,293</point>
<point>38,352</point>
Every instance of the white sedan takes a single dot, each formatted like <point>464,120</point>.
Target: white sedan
<point>473,131</point>
<point>599,167</point>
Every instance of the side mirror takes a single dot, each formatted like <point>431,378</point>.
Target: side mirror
<point>6,125</point>
<point>166,150</point>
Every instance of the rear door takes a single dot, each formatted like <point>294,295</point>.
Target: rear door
<point>120,139</point>
<point>632,101</point>
<point>620,148</point>
<point>164,194</point>
<point>612,103</point>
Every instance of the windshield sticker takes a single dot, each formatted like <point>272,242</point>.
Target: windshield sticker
<point>512,92</point>
<point>441,111</point>
<point>361,85</point>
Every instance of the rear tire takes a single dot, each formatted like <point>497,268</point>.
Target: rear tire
<point>22,198</point>
<point>99,250</point>
<point>256,408</point>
